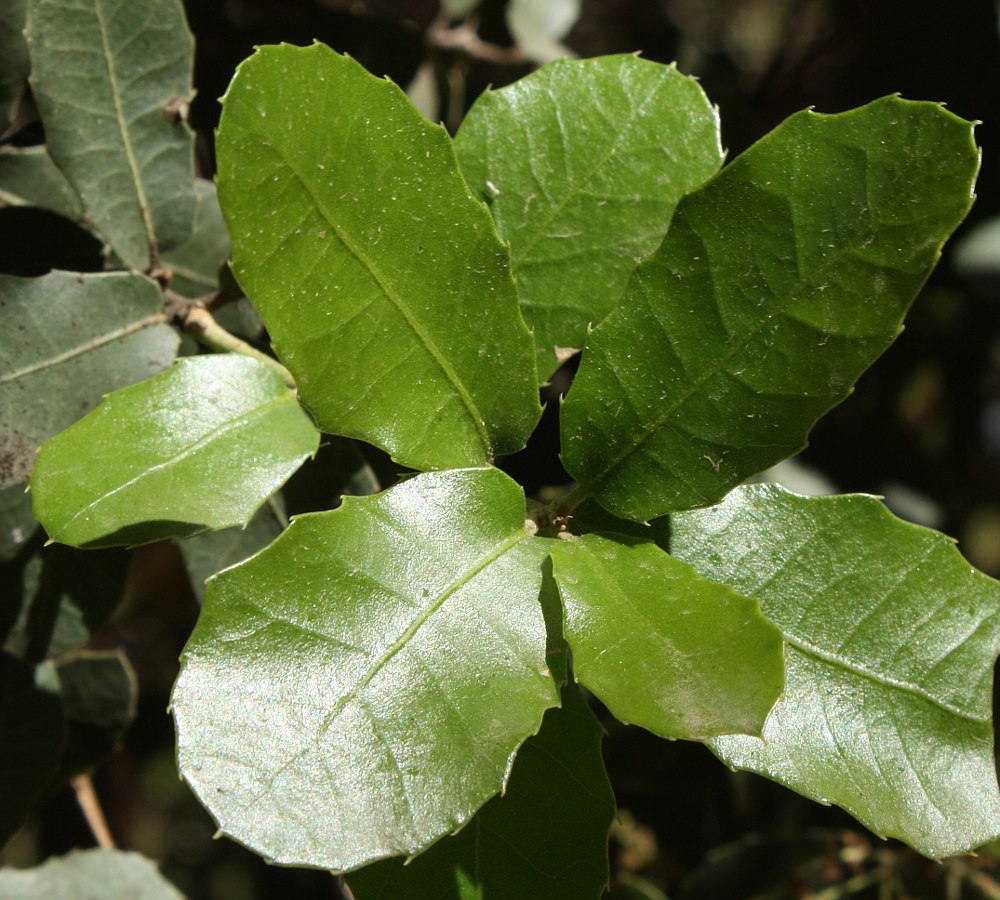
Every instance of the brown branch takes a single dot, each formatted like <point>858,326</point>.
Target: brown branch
<point>463,39</point>
<point>90,806</point>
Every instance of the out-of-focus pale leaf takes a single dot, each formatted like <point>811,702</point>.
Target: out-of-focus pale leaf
<point>196,262</point>
<point>362,684</point>
<point>200,446</point>
<point>661,646</point>
<point>890,639</point>
<point>582,164</point>
<point>538,26</point>
<point>779,282</point>
<point>71,339</point>
<point>381,280</point>
<point>104,75</point>
<point>547,836</point>
<point>28,177</point>
<point>89,875</point>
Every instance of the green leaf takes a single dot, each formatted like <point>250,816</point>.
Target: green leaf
<point>71,339</point>
<point>28,177</point>
<point>200,446</point>
<point>547,836</point>
<point>14,63</point>
<point>891,639</point>
<point>103,74</point>
<point>779,283</point>
<point>205,554</point>
<point>17,524</point>
<point>89,875</point>
<point>582,164</point>
<point>196,262</point>
<point>32,731</point>
<point>661,646</point>
<point>382,282</point>
<point>358,689</point>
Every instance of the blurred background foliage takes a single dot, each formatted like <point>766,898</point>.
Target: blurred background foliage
<point>923,428</point>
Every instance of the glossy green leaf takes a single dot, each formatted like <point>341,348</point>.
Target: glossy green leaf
<point>103,75</point>
<point>582,164</point>
<point>13,58</point>
<point>200,446</point>
<point>205,554</point>
<point>547,836</point>
<point>32,732</point>
<point>661,646</point>
<point>891,639</point>
<point>362,684</point>
<point>89,875</point>
<point>779,283</point>
<point>195,263</point>
<point>28,177</point>
<point>71,339</point>
<point>382,282</point>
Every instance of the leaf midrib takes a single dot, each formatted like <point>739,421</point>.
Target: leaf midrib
<point>397,302</point>
<point>120,120</point>
<point>86,347</point>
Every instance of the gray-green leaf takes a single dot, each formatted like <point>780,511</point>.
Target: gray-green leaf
<point>363,683</point>
<point>778,284</point>
<point>661,646</point>
<point>195,263</point>
<point>891,640</point>
<point>199,447</point>
<point>71,339</point>
<point>28,177</point>
<point>381,280</point>
<point>582,164</point>
<point>104,74</point>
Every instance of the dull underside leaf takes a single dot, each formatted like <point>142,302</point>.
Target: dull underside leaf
<point>661,646</point>
<point>363,683</point>
<point>199,447</point>
<point>103,74</point>
<point>890,638</point>
<point>28,177</point>
<point>71,339</point>
<point>382,282</point>
<point>779,283</point>
<point>547,836</point>
<point>581,164</point>
<point>195,263</point>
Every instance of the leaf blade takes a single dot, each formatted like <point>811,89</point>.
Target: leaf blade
<point>369,262</point>
<point>891,642</point>
<point>661,646</point>
<point>582,164</point>
<point>410,580</point>
<point>779,283</point>
<point>102,91</point>
<point>199,447</point>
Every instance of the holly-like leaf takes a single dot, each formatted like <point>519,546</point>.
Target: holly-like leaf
<point>547,836</point>
<point>200,446</point>
<point>382,282</point>
<point>28,177</point>
<point>891,639</point>
<point>89,875</point>
<point>195,264</point>
<point>71,339</point>
<point>661,646</point>
<point>582,164</point>
<point>358,689</point>
<point>778,284</point>
<point>104,75</point>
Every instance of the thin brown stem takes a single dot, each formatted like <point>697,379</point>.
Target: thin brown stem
<point>90,806</point>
